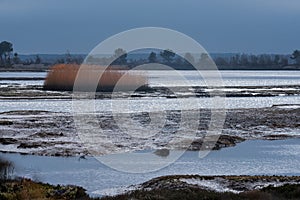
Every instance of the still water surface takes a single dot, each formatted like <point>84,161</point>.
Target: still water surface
<point>172,78</point>
<point>256,157</point>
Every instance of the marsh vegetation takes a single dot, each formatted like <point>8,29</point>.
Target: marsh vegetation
<point>62,77</point>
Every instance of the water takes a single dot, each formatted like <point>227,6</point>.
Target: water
<point>256,157</point>
<point>167,78</point>
<point>250,157</point>
<point>19,82</point>
<point>230,78</point>
<point>162,104</point>
<point>170,78</point>
<point>23,74</point>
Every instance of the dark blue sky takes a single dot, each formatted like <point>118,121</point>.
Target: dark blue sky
<point>55,26</point>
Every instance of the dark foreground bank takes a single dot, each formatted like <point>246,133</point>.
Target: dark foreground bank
<point>269,193</point>
<point>181,187</point>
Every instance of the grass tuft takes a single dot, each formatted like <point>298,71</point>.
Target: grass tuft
<point>61,77</point>
<point>6,169</point>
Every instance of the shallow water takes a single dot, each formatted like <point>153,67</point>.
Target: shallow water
<point>103,105</point>
<point>177,78</point>
<point>23,74</point>
<point>256,157</point>
<point>171,78</point>
<point>250,157</point>
<point>230,78</point>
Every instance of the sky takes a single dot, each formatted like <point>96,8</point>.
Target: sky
<point>220,26</point>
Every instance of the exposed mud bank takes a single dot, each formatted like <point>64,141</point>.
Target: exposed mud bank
<point>15,91</point>
<point>58,134</point>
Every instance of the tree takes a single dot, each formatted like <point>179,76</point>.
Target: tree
<point>189,58</point>
<point>120,57</point>
<point>205,61</point>
<point>152,57</point>
<point>244,60</point>
<point>284,62</point>
<point>179,61</point>
<point>37,60</point>
<point>16,59</point>
<point>60,61</point>
<point>253,60</point>
<point>235,60</point>
<point>72,59</point>
<point>261,60</point>
<point>167,55</point>
<point>6,49</point>
<point>276,60</point>
<point>296,56</point>
<point>221,61</point>
<point>268,60</point>
<point>69,58</point>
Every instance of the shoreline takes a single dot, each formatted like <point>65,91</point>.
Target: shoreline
<point>47,68</point>
<point>15,92</point>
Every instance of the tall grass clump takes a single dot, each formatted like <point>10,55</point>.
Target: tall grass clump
<point>61,77</point>
<point>6,169</point>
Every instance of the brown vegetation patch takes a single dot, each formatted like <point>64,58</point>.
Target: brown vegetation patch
<point>25,189</point>
<point>62,77</point>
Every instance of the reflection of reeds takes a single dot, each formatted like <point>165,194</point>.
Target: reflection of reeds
<point>6,169</point>
<point>62,77</point>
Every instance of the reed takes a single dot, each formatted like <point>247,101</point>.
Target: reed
<point>61,77</point>
<point>6,169</point>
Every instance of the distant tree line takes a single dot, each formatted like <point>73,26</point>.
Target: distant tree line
<point>253,61</point>
<point>166,57</point>
<point>118,58</point>
<point>235,61</point>
<point>69,59</point>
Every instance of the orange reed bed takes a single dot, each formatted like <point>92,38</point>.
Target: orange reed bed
<point>61,77</point>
